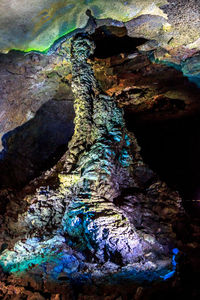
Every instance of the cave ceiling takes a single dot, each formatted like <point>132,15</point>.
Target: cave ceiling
<point>36,25</point>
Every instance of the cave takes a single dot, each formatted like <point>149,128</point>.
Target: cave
<point>99,154</point>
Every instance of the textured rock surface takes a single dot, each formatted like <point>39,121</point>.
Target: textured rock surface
<point>36,145</point>
<point>170,24</point>
<point>28,82</point>
<point>109,210</point>
<point>37,114</point>
<point>48,20</point>
<point>148,90</point>
<point>105,169</point>
<point>36,93</point>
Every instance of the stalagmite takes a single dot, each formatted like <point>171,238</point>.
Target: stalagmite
<point>105,163</point>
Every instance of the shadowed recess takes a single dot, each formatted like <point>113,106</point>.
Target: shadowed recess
<point>36,145</point>
<point>171,148</point>
<point>109,44</point>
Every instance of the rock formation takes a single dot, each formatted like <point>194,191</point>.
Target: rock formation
<point>109,209</point>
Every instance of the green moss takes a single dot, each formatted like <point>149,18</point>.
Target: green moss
<point>43,48</point>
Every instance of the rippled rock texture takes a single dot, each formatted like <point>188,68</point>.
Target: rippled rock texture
<point>110,217</point>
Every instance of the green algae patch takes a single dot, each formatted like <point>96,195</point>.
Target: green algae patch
<point>41,48</point>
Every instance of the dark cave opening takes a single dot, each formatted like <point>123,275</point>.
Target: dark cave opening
<point>110,41</point>
<point>36,145</point>
<point>171,148</point>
